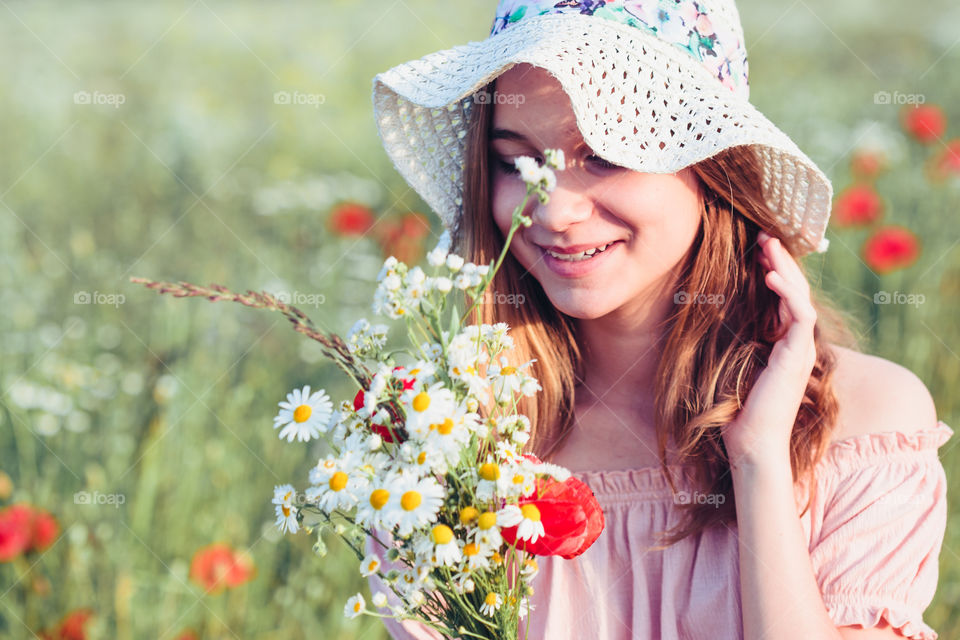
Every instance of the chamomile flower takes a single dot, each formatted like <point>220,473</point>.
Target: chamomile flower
<point>491,604</point>
<point>426,407</point>
<point>420,500</point>
<point>488,532</point>
<point>283,497</point>
<point>376,503</point>
<point>441,546</point>
<point>506,380</point>
<point>529,568</point>
<point>355,606</point>
<point>370,565</point>
<point>304,415</point>
<point>476,556</point>
<point>489,473</point>
<point>530,527</point>
<point>379,600</point>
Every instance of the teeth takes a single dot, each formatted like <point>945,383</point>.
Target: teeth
<point>583,255</point>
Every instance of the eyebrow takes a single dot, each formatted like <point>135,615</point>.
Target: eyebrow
<point>507,134</point>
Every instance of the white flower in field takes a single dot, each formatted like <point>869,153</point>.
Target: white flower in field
<point>487,485</point>
<point>369,566</point>
<point>507,380</point>
<point>476,557</point>
<point>304,415</point>
<point>491,603</point>
<point>419,502</point>
<point>464,583</point>
<point>283,498</point>
<point>452,434</point>
<point>389,267</point>
<point>529,569</point>
<point>509,516</point>
<point>519,479</point>
<point>355,606</point>
<point>454,262</point>
<point>425,407</point>
<point>548,179</point>
<point>342,490</point>
<point>555,158</point>
<point>462,282</point>
<point>422,458</point>
<point>496,337</point>
<point>379,599</point>
<point>376,502</point>
<point>366,339</point>
<point>442,284</point>
<point>438,255</point>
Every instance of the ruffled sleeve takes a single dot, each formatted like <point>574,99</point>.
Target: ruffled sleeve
<point>884,511</point>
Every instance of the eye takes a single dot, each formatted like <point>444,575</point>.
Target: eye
<point>505,166</point>
<point>603,164</point>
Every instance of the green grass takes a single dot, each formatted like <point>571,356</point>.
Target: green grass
<point>171,401</point>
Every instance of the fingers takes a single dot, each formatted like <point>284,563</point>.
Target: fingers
<point>785,277</point>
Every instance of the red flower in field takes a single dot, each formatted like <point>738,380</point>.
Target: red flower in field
<point>867,165</point>
<point>947,163</point>
<point>383,431</point>
<point>571,516</point>
<point>856,205</point>
<point>217,567</point>
<point>72,627</point>
<point>351,219</point>
<point>891,248</point>
<point>188,634</point>
<point>24,528</point>
<point>15,531</point>
<point>925,122</point>
<point>403,238</point>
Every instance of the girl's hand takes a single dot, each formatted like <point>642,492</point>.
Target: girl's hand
<point>761,431</point>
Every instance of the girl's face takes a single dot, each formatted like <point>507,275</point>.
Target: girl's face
<point>609,237</point>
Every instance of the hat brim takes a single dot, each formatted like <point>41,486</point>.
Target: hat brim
<point>673,113</point>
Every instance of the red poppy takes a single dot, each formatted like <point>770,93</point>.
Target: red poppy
<point>72,627</point>
<point>15,531</point>
<point>383,431</point>
<point>891,248</point>
<point>351,219</point>
<point>867,165</point>
<point>857,205</point>
<point>24,528</point>
<point>571,516</point>
<point>217,566</point>
<point>403,238</point>
<point>925,122</point>
<point>947,163</point>
<point>414,225</point>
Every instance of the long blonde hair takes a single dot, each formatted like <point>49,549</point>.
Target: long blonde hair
<point>711,354</point>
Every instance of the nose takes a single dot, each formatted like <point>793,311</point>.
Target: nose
<point>568,203</point>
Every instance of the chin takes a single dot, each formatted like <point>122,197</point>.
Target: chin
<point>581,306</point>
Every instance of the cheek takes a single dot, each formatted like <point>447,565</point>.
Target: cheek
<point>502,202</point>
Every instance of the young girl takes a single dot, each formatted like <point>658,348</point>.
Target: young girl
<point>759,477</point>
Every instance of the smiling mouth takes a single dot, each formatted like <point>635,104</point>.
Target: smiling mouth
<point>580,255</point>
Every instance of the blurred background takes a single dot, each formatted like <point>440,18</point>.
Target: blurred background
<point>234,143</point>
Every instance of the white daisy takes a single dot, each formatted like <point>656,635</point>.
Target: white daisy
<point>419,501</point>
<point>488,532</point>
<point>379,599</point>
<point>441,546</point>
<point>530,527</point>
<point>476,556</point>
<point>370,565</point>
<point>426,407</point>
<point>283,497</point>
<point>491,603</point>
<point>376,502</point>
<point>355,606</point>
<point>304,415</point>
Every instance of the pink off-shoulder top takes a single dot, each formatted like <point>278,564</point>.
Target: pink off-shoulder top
<point>874,533</point>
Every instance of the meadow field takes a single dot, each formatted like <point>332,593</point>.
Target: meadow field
<point>217,142</point>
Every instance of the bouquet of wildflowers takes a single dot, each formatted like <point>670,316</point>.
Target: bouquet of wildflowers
<point>426,461</point>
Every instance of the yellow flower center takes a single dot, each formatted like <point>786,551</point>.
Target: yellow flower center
<point>373,565</point>
<point>518,479</point>
<point>414,372</point>
<point>338,481</point>
<point>357,607</point>
<point>490,600</point>
<point>530,512</point>
<point>487,520</point>
<point>531,564</point>
<point>422,457</point>
<point>421,402</point>
<point>468,515</point>
<point>410,500</point>
<point>508,371</point>
<point>378,498</point>
<point>470,549</point>
<point>497,558</point>
<point>286,511</point>
<point>302,413</point>
<point>489,471</point>
<point>442,534</point>
<point>445,427</point>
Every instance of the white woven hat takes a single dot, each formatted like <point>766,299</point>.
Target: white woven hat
<point>656,85</point>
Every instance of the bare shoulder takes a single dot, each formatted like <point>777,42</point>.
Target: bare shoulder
<point>877,395</point>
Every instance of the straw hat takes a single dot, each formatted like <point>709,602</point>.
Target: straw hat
<point>656,85</point>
